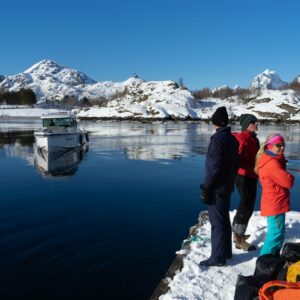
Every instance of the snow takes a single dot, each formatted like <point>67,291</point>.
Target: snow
<point>195,282</point>
<point>25,112</point>
<point>135,98</point>
<point>165,101</point>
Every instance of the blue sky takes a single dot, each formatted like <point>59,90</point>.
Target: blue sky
<point>207,43</point>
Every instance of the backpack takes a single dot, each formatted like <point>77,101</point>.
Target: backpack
<point>293,272</point>
<point>280,290</point>
<point>246,288</point>
<point>267,267</point>
<point>291,252</point>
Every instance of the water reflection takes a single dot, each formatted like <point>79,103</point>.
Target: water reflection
<point>62,163</point>
<point>147,141</point>
<point>150,141</point>
<point>17,144</point>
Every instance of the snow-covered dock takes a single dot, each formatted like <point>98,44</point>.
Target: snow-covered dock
<point>190,281</point>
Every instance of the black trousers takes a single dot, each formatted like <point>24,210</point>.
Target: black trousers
<point>221,247</point>
<point>247,188</point>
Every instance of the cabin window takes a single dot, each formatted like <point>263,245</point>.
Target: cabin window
<point>61,122</point>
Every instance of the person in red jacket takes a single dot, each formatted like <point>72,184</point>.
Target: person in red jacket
<point>246,180</point>
<point>276,182</point>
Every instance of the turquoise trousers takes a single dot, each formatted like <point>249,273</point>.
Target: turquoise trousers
<point>275,235</point>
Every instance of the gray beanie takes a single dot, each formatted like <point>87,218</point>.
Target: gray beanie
<point>246,119</point>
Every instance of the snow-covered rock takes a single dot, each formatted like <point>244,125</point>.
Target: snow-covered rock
<point>147,99</point>
<point>268,80</point>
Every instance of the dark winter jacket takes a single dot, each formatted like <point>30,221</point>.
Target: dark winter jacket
<point>221,162</point>
<point>248,147</point>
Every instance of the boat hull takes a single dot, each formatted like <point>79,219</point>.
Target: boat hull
<point>56,142</point>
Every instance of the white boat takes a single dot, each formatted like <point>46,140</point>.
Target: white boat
<point>60,132</point>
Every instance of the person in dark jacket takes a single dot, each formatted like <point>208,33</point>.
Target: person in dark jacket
<point>246,180</point>
<point>220,172</point>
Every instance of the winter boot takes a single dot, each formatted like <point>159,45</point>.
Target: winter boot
<point>240,242</point>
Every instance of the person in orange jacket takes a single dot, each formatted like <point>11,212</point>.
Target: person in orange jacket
<point>276,182</point>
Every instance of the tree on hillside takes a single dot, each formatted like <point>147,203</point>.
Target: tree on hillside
<point>22,97</point>
<point>295,85</point>
<point>85,102</point>
<point>27,97</point>
<point>223,93</point>
<point>202,94</point>
<point>69,101</point>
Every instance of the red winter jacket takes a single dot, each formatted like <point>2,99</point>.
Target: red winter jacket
<point>276,182</point>
<point>248,147</point>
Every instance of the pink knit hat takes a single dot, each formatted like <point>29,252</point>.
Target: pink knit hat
<point>275,139</point>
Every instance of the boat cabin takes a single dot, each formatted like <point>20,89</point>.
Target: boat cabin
<point>63,120</point>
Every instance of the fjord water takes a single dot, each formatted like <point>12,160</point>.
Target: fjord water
<point>110,228</point>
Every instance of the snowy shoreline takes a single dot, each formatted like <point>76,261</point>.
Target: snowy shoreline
<point>36,113</point>
<point>204,120</point>
<point>199,283</point>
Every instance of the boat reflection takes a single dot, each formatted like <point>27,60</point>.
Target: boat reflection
<point>62,163</point>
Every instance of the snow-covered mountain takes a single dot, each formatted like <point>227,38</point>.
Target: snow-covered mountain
<point>52,81</point>
<point>135,98</point>
<point>268,80</point>
<point>132,98</point>
<point>48,80</point>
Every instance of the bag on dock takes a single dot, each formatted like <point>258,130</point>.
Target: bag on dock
<point>293,272</point>
<point>246,288</point>
<point>291,252</point>
<point>280,290</point>
<point>268,267</point>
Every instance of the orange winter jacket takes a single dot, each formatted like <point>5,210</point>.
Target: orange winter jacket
<point>276,182</point>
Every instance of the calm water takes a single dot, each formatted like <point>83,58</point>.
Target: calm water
<point>108,227</point>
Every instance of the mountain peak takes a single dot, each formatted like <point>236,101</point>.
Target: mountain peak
<point>44,66</point>
<point>50,69</point>
<point>268,79</point>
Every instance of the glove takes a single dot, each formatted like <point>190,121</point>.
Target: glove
<point>207,196</point>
